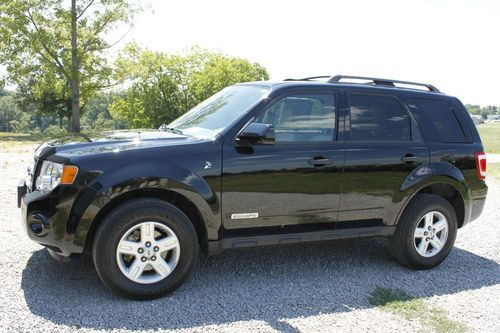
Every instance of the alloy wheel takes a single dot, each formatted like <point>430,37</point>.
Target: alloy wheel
<point>148,252</point>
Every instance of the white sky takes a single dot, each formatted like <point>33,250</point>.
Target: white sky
<point>454,45</point>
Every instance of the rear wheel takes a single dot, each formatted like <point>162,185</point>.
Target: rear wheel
<point>145,249</point>
<point>425,233</point>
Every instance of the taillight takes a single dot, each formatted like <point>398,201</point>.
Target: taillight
<point>481,165</point>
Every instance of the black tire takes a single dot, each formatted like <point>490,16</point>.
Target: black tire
<point>124,217</point>
<point>403,241</point>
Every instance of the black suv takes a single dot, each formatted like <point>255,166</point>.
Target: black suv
<point>262,164</point>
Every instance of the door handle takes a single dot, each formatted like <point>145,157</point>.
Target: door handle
<point>410,158</point>
<point>320,161</point>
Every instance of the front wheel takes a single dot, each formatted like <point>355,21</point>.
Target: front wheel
<point>145,249</point>
<point>425,233</point>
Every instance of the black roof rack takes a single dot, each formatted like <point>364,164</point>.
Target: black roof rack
<point>310,78</point>
<point>382,82</point>
<point>376,81</point>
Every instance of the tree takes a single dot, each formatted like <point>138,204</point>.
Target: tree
<point>164,86</point>
<point>473,109</point>
<point>8,110</point>
<point>45,95</point>
<point>48,37</point>
<point>96,116</point>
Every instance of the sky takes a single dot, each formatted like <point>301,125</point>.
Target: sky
<point>454,45</point>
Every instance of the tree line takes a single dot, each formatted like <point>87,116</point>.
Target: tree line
<point>56,55</point>
<point>484,111</point>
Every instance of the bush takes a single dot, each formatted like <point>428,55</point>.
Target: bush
<point>22,125</point>
<point>54,131</point>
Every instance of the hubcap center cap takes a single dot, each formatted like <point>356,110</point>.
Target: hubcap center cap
<point>149,253</point>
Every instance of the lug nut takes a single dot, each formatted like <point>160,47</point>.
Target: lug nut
<point>430,228</point>
<point>425,233</point>
<point>427,239</point>
<point>153,258</point>
<point>156,248</point>
<point>148,244</point>
<point>143,259</point>
<point>140,250</point>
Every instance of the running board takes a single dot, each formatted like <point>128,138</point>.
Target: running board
<point>215,247</point>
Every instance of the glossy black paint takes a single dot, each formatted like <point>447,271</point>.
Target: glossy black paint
<point>363,185</point>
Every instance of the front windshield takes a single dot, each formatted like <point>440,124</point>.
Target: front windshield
<point>213,115</point>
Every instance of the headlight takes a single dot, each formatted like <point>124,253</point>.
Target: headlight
<point>53,174</point>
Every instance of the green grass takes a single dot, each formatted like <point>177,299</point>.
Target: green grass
<point>493,172</point>
<point>20,138</point>
<point>19,141</point>
<point>411,308</point>
<point>490,135</point>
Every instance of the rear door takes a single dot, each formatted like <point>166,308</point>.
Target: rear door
<point>384,154</point>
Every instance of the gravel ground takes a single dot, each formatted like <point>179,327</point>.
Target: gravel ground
<point>320,287</point>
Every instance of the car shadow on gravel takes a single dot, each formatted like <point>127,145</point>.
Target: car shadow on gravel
<point>265,284</point>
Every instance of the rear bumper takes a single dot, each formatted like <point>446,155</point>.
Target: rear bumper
<point>477,208</point>
<point>43,223</point>
<point>477,203</point>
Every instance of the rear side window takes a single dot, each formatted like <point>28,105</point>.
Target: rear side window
<point>443,118</point>
<point>378,118</point>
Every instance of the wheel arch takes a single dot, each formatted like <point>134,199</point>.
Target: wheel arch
<point>453,191</point>
<point>177,199</point>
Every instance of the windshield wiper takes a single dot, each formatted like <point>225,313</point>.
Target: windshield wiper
<point>164,127</point>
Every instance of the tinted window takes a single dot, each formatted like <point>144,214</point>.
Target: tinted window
<point>378,118</point>
<point>443,118</point>
<point>302,118</point>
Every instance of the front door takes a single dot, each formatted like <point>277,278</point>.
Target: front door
<point>294,182</point>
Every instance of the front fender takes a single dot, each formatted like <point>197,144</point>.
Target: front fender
<point>142,176</point>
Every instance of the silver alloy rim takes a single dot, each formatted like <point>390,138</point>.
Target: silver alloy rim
<point>148,252</point>
<point>431,234</point>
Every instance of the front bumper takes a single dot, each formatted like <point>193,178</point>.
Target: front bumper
<point>45,220</point>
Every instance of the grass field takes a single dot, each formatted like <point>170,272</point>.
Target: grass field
<point>490,135</point>
<point>8,140</point>
<point>493,172</point>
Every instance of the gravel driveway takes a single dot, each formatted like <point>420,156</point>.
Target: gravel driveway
<point>320,287</point>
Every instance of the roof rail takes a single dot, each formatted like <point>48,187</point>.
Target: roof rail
<point>310,78</point>
<point>378,81</point>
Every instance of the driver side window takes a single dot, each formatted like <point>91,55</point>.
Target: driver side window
<point>302,118</point>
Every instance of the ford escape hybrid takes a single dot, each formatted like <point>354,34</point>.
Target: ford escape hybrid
<point>261,164</point>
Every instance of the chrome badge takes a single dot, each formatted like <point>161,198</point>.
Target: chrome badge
<point>244,216</point>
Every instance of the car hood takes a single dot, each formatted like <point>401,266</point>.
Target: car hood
<point>115,141</point>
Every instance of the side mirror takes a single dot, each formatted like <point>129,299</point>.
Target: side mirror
<point>257,133</point>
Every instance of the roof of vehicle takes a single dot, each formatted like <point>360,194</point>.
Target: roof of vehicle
<point>385,85</point>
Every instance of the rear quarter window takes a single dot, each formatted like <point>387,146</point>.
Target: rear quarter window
<point>378,118</point>
<point>443,118</point>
